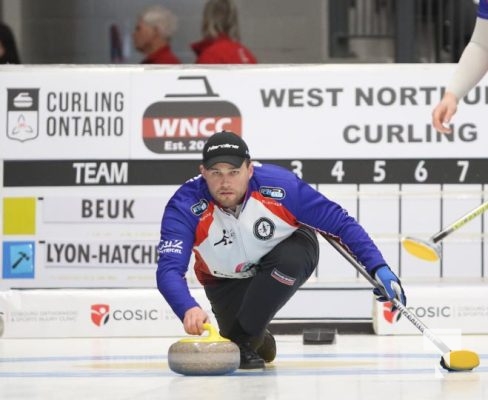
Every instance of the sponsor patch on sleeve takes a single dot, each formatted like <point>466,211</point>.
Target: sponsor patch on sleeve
<point>200,207</point>
<point>272,192</point>
<point>170,246</point>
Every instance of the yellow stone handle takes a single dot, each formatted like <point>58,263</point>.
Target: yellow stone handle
<point>213,336</point>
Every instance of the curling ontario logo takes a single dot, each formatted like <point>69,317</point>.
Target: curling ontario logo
<point>22,114</point>
<point>100,314</point>
<point>182,125</point>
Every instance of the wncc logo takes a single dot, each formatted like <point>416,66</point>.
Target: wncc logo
<point>184,126</point>
<point>101,314</point>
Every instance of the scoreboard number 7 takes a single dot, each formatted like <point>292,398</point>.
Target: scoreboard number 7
<point>464,165</point>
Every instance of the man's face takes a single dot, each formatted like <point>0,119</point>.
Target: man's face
<point>143,36</point>
<point>227,184</point>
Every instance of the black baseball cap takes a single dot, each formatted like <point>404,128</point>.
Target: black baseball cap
<point>225,147</point>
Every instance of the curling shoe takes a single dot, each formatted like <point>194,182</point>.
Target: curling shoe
<point>267,350</point>
<point>249,358</point>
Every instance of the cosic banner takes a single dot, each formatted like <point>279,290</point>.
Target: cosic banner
<point>445,306</point>
<point>91,313</point>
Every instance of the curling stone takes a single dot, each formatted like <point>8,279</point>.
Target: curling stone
<point>208,355</point>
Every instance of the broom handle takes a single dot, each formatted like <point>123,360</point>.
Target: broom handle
<point>398,304</point>
<point>459,223</point>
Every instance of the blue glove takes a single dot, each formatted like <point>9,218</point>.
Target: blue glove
<point>391,285</point>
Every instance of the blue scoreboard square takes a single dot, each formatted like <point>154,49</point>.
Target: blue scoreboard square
<point>18,260</point>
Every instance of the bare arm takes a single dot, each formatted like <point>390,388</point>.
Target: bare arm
<point>472,66</point>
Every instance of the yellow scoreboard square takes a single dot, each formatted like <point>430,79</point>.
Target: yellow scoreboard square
<point>19,216</point>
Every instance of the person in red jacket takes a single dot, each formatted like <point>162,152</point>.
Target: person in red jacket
<point>152,35</point>
<point>221,41</point>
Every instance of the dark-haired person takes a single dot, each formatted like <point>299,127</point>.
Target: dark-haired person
<point>253,231</point>
<point>8,47</point>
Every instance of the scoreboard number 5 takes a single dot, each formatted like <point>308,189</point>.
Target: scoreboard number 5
<point>379,171</point>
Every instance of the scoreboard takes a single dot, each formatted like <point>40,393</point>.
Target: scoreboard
<point>168,172</point>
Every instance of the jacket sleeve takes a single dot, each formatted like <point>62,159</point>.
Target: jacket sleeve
<point>317,211</point>
<point>175,247</point>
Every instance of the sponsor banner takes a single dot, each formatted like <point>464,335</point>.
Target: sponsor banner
<point>457,307</point>
<point>102,210</point>
<point>91,313</point>
<point>139,312</point>
<point>48,112</point>
<point>305,111</point>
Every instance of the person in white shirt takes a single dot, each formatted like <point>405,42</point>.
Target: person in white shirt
<point>472,66</point>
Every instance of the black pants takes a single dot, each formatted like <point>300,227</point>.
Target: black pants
<point>253,302</point>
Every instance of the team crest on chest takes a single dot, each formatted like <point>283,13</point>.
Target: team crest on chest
<point>264,229</point>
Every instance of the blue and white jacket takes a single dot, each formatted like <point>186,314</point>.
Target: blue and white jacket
<point>277,202</point>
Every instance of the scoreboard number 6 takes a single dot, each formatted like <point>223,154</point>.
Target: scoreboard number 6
<point>421,173</point>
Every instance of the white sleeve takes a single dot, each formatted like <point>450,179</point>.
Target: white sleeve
<point>473,63</point>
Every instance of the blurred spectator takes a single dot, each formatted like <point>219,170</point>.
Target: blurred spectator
<point>221,39</point>
<point>8,48</point>
<point>152,35</point>
<point>116,55</point>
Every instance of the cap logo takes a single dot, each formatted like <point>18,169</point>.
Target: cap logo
<point>223,146</point>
